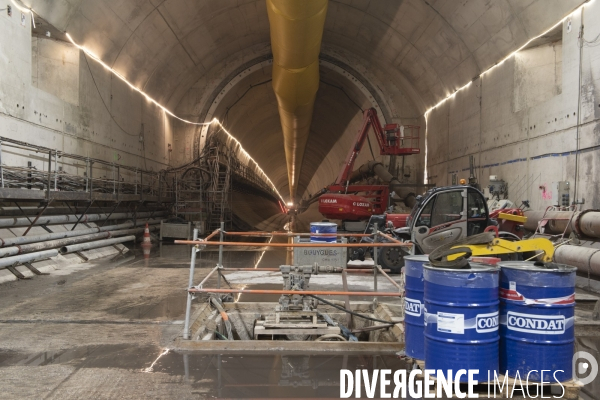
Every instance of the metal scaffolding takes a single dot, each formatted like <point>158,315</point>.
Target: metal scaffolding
<point>219,269</point>
<point>40,173</point>
<point>204,187</point>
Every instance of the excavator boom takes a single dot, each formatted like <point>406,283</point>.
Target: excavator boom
<point>391,139</point>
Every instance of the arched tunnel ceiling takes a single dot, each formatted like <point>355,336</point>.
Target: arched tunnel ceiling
<point>434,46</point>
<point>416,52</point>
<point>250,110</point>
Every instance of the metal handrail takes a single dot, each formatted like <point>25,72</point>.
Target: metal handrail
<point>305,292</point>
<point>251,244</point>
<point>51,178</point>
<point>219,269</point>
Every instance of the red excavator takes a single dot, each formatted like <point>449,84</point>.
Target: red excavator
<point>351,202</point>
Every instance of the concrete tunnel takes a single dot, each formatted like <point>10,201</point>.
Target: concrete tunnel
<point>213,60</point>
<point>106,107</point>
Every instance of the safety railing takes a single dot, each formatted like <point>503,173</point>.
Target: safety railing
<point>219,269</point>
<point>27,166</point>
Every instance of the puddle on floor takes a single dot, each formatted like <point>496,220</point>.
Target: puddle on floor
<point>272,376</point>
<point>103,356</point>
<point>171,308</point>
<point>168,255</point>
<point>228,376</point>
<point>259,297</point>
<point>238,376</point>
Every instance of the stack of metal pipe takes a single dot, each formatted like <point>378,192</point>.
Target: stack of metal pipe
<point>585,223</point>
<point>73,219</point>
<point>23,249</point>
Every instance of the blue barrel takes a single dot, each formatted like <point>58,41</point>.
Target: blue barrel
<point>461,319</point>
<point>537,308</point>
<point>413,306</point>
<point>323,227</point>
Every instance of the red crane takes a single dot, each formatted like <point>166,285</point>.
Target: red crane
<point>342,200</point>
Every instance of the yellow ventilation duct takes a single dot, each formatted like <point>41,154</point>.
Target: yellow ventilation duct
<point>296,33</point>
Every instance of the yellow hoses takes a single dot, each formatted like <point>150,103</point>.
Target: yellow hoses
<point>296,33</point>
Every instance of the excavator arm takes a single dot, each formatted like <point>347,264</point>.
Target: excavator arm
<point>390,138</point>
<point>540,246</point>
<point>348,201</point>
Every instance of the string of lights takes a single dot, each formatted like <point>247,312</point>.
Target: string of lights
<point>215,121</point>
<point>24,10</point>
<point>246,154</point>
<point>490,69</point>
<point>21,8</point>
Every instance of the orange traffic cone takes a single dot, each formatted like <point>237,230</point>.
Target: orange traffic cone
<point>146,245</point>
<point>146,239</point>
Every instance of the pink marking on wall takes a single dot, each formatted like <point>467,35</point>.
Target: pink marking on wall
<point>546,194</point>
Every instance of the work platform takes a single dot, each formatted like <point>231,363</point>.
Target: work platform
<point>300,320</point>
<point>9,194</point>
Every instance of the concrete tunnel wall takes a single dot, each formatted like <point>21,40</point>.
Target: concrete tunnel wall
<point>51,96</point>
<point>410,54</point>
<point>521,121</point>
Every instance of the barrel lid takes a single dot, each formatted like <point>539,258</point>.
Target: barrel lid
<point>473,267</point>
<point>537,266</point>
<point>420,257</point>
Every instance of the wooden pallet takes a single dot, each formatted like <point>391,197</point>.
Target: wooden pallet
<point>295,316</point>
<point>294,323</point>
<point>569,390</point>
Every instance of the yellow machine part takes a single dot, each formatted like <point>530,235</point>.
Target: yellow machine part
<point>540,246</point>
<point>296,33</point>
<point>511,217</point>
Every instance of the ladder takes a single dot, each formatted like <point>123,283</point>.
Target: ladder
<point>220,190</point>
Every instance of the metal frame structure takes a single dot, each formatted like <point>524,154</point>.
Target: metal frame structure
<point>66,186</point>
<point>198,244</point>
<point>120,183</point>
<point>389,138</point>
<point>203,188</point>
<point>393,140</point>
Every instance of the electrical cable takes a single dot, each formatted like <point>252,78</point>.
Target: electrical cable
<point>219,334</point>
<point>167,111</point>
<point>225,117</point>
<point>356,104</point>
<point>591,43</point>
<point>343,91</point>
<point>370,148</point>
<point>85,56</point>
<point>439,257</point>
<point>331,336</point>
<point>348,311</point>
<point>346,333</point>
<point>144,150</point>
<point>217,303</point>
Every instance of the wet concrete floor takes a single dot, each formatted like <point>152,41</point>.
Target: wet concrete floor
<point>200,376</point>
<point>105,332</point>
<point>150,372</point>
<point>102,333</point>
